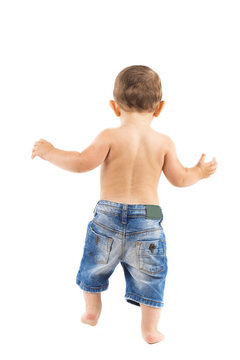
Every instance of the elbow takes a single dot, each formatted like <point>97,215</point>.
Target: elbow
<point>82,169</point>
<point>177,178</point>
<point>180,181</point>
<point>178,184</point>
<point>183,179</point>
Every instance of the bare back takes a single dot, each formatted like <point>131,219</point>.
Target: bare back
<point>130,173</point>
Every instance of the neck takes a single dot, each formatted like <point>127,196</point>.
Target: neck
<point>136,119</point>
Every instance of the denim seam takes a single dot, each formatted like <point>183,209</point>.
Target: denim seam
<point>144,231</point>
<point>93,287</point>
<point>141,264</point>
<point>97,261</point>
<point>107,212</point>
<point>107,228</point>
<point>128,234</point>
<point>123,242</point>
<point>106,253</point>
<point>129,216</point>
<point>118,207</point>
<point>99,209</point>
<point>141,297</point>
<point>96,233</point>
<point>118,214</point>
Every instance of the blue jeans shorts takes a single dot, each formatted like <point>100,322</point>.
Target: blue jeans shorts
<point>131,234</point>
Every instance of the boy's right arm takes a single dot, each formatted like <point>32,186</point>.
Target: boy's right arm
<point>180,176</point>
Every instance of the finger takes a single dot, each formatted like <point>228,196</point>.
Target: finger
<point>212,162</point>
<point>212,166</point>
<point>212,170</point>
<point>202,158</point>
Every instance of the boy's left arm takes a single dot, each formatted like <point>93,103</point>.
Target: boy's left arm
<point>74,161</point>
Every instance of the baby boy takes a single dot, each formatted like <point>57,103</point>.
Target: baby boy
<point>127,224</point>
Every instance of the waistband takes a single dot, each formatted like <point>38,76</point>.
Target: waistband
<point>146,210</point>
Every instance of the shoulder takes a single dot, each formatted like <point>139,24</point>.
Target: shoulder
<point>165,139</point>
<point>166,144</point>
<point>108,131</point>
<point>105,136</point>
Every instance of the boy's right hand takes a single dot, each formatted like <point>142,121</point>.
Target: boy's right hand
<point>207,168</point>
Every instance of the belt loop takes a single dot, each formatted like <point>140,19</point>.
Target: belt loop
<point>94,209</point>
<point>124,213</point>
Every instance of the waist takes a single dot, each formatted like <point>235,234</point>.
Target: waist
<point>136,196</point>
<point>150,211</point>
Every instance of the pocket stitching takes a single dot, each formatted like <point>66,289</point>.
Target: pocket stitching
<point>138,244</point>
<point>106,250</point>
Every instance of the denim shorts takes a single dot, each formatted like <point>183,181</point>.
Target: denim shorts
<point>131,234</point>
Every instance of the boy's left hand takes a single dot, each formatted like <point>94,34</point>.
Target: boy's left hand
<point>41,148</point>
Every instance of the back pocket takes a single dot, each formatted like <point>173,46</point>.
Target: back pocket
<point>151,255</point>
<point>98,246</point>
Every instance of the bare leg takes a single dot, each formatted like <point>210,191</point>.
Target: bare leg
<point>93,308</point>
<point>149,325</point>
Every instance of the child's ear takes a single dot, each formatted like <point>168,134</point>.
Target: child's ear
<point>159,108</point>
<point>115,107</point>
<point>111,104</point>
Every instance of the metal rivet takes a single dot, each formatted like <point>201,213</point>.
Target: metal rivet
<point>97,239</point>
<point>151,247</point>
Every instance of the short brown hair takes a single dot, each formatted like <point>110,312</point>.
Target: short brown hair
<point>138,88</point>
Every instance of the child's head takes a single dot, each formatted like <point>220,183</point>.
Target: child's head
<point>137,88</point>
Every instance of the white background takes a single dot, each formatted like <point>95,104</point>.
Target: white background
<point>59,60</point>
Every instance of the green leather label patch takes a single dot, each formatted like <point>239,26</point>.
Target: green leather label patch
<point>153,212</point>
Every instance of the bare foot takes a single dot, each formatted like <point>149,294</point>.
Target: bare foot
<point>153,337</point>
<point>89,318</point>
